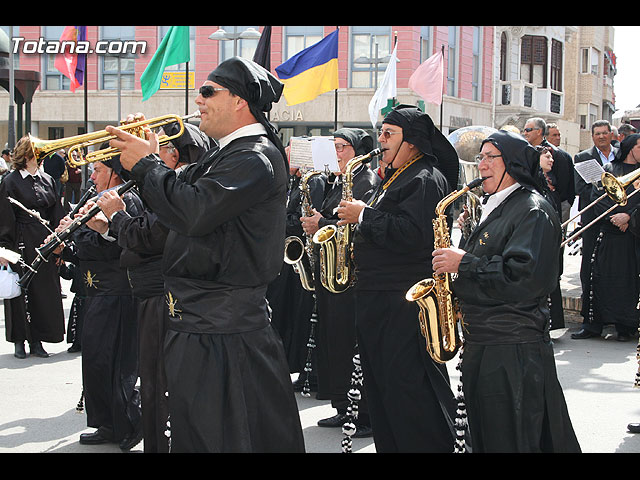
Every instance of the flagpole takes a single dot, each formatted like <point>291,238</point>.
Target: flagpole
<point>442,93</point>
<point>186,90</point>
<point>84,171</point>
<point>335,99</point>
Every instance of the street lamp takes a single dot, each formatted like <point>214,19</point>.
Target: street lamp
<point>221,34</point>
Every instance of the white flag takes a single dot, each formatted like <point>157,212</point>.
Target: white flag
<point>385,91</point>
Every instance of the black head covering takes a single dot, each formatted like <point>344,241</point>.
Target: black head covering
<point>521,159</point>
<point>257,86</point>
<point>114,164</point>
<point>626,145</point>
<point>191,144</point>
<point>359,139</point>
<point>418,129</point>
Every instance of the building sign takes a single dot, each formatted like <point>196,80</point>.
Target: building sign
<point>175,81</point>
<point>286,116</point>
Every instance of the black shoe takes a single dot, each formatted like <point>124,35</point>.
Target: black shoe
<point>633,427</point>
<point>584,334</point>
<point>19,350</point>
<point>75,347</point>
<point>623,337</point>
<point>335,421</point>
<point>363,431</point>
<point>95,438</point>
<point>133,439</point>
<point>36,349</point>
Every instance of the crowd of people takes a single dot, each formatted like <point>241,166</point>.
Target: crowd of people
<point>191,323</point>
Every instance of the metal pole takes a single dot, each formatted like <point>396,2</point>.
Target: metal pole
<point>11,134</point>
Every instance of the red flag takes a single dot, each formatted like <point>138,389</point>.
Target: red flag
<point>428,79</point>
<point>72,65</point>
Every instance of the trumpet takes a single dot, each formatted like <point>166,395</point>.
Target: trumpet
<point>615,189</point>
<point>42,148</point>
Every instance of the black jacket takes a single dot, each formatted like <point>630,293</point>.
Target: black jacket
<point>226,213</point>
<point>510,268</point>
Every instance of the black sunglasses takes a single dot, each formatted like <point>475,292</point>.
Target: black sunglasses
<point>208,91</point>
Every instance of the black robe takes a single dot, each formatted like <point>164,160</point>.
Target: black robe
<point>142,238</point>
<point>291,305</point>
<point>228,379</point>
<point>614,264</point>
<point>109,334</point>
<point>336,338</point>
<point>503,281</point>
<point>22,233</point>
<point>411,404</point>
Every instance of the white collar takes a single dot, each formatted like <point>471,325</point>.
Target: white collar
<point>25,173</point>
<point>495,200</point>
<point>246,131</point>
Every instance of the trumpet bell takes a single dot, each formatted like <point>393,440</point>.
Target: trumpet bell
<point>615,186</point>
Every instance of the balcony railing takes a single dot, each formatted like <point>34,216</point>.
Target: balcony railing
<point>527,95</point>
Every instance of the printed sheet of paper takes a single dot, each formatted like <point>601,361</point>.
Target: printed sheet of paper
<point>314,153</point>
<point>590,170</point>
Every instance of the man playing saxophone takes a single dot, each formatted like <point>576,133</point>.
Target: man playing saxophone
<point>505,270</point>
<point>410,400</point>
<point>336,315</point>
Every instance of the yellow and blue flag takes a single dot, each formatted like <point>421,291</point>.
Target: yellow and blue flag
<point>311,71</point>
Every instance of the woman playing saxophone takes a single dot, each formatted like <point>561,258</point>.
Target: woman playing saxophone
<point>410,401</point>
<point>336,314</point>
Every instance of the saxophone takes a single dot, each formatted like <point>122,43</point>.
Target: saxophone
<point>439,310</point>
<point>297,253</point>
<point>336,242</point>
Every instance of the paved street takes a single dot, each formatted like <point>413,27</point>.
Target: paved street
<point>38,396</point>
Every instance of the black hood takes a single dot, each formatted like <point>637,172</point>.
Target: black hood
<point>521,159</point>
<point>625,146</point>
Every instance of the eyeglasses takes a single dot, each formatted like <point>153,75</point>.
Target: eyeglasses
<point>487,158</point>
<point>541,150</point>
<point>208,91</point>
<point>340,146</point>
<point>386,133</point>
<point>531,129</point>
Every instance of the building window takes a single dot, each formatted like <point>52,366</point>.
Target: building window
<point>595,61</point>
<point>504,58</point>
<point>299,38</point>
<point>589,60</point>
<point>16,33</point>
<point>533,60</point>
<point>426,43</point>
<point>370,49</point>
<point>556,65</point>
<point>112,65</point>
<point>53,78</point>
<point>55,133</point>
<point>452,61</point>
<point>476,63</point>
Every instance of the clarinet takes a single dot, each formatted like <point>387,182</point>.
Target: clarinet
<point>91,191</point>
<point>46,250</point>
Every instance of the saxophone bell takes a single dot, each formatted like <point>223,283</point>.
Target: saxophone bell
<point>295,255</point>
<point>336,242</point>
<point>439,313</point>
